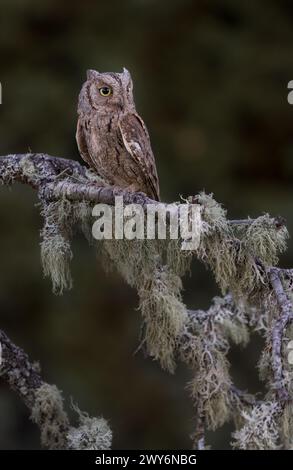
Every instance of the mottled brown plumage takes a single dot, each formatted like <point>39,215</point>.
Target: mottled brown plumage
<point>111,137</point>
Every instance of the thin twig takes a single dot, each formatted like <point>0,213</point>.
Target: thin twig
<point>279,221</point>
<point>286,316</point>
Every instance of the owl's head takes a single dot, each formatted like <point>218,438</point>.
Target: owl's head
<point>104,91</point>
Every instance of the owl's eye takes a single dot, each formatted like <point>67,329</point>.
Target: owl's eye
<point>105,91</point>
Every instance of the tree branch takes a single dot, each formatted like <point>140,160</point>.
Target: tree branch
<point>76,184</point>
<point>46,404</point>
<point>22,376</point>
<point>286,316</point>
<point>56,178</point>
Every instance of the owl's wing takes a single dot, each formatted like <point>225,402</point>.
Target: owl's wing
<point>137,142</point>
<point>82,145</point>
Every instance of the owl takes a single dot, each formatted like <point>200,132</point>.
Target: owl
<point>111,137</point>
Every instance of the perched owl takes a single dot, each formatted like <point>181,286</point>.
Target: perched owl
<point>111,137</point>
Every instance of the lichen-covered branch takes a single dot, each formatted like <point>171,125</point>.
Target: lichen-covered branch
<point>278,331</point>
<point>57,177</point>
<point>243,257</point>
<point>45,404</point>
<point>21,375</point>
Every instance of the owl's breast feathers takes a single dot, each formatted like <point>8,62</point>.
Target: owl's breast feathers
<point>126,160</point>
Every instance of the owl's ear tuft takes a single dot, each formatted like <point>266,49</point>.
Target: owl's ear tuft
<point>127,80</point>
<point>126,73</point>
<point>92,74</point>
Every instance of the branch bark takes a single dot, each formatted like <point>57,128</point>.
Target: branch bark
<point>286,317</point>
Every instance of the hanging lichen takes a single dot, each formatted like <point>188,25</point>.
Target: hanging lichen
<point>60,218</point>
<point>260,430</point>
<point>155,267</point>
<point>49,415</point>
<point>91,434</point>
<point>159,288</point>
<point>232,252</point>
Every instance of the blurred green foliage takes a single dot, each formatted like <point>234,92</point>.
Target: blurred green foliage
<point>211,83</point>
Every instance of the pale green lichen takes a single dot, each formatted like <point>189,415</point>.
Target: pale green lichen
<point>266,240</point>
<point>264,365</point>
<point>28,167</point>
<point>261,428</point>
<point>232,252</point>
<point>154,267</point>
<point>141,264</point>
<point>211,384</point>
<point>60,218</point>
<point>204,347</point>
<point>7,171</point>
<point>164,315</point>
<point>218,248</point>
<point>56,251</point>
<point>82,217</point>
<point>231,319</point>
<point>91,434</point>
<point>237,332</point>
<point>49,415</point>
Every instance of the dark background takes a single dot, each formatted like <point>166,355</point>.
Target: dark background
<point>211,83</point>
